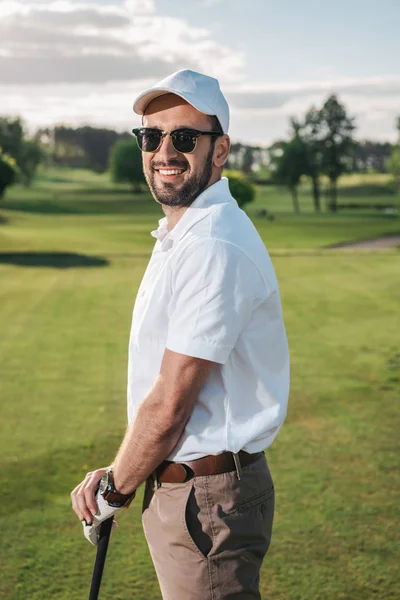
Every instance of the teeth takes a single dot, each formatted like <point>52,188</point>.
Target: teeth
<point>171,171</point>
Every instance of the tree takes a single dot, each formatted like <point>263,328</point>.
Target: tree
<point>126,164</point>
<point>372,156</point>
<point>66,149</point>
<point>393,166</point>
<point>289,163</point>
<point>248,159</point>
<point>241,189</point>
<point>11,136</point>
<point>26,153</point>
<point>83,147</point>
<point>307,133</point>
<point>30,157</point>
<point>97,144</point>
<point>335,131</point>
<point>8,171</point>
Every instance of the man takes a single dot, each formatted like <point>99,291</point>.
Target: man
<point>208,375</point>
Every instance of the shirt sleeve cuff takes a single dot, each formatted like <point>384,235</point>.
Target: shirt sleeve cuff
<point>199,349</point>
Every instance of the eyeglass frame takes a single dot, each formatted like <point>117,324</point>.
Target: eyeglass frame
<point>196,132</point>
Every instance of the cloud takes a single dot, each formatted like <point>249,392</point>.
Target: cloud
<point>261,112</point>
<point>140,6</point>
<point>85,62</point>
<point>273,96</point>
<point>66,41</point>
<point>97,104</point>
<point>56,16</point>
<point>65,69</point>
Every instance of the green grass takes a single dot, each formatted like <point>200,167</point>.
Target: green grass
<point>63,355</point>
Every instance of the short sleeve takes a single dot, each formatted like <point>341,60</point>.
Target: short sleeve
<point>214,286</point>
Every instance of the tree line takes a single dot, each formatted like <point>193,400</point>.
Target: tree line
<point>321,143</point>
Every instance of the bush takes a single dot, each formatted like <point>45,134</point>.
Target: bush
<point>241,189</point>
<point>26,153</point>
<point>126,164</point>
<point>8,171</point>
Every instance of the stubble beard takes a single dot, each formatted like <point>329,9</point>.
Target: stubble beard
<point>169,195</point>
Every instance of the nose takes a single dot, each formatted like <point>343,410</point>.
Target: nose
<point>166,150</point>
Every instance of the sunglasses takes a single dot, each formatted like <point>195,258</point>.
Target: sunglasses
<point>183,140</point>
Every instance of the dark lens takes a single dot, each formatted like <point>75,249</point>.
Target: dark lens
<point>184,141</point>
<point>139,139</point>
<point>150,140</point>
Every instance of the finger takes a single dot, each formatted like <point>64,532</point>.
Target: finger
<point>74,499</point>
<point>90,500</point>
<point>82,509</point>
<point>90,491</point>
<point>79,502</point>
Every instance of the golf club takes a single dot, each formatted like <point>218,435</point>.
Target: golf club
<point>104,538</point>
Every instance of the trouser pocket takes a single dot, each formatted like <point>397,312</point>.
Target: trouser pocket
<point>196,523</point>
<point>253,502</point>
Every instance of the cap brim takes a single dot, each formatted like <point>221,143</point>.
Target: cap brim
<point>144,100</point>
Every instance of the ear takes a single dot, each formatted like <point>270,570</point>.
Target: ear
<point>221,151</point>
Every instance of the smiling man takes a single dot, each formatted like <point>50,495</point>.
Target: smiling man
<point>208,375</point>
<point>180,177</point>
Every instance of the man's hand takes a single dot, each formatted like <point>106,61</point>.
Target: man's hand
<point>104,512</point>
<point>83,496</point>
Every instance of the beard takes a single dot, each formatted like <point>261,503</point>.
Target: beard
<point>168,194</point>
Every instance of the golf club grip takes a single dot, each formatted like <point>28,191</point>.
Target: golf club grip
<point>104,538</point>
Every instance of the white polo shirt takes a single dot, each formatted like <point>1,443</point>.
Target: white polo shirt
<point>210,291</point>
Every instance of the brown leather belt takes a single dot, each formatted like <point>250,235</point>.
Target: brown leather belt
<point>172,472</point>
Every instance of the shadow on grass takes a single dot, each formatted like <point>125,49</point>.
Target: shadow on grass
<point>3,220</point>
<point>57,260</point>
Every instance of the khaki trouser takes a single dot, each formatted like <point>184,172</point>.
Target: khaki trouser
<point>208,536</point>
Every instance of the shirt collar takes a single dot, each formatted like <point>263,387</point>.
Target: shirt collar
<point>218,193</point>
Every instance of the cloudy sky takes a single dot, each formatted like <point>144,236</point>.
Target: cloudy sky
<point>74,62</point>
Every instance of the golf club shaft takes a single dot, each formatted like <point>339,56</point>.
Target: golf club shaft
<point>105,532</point>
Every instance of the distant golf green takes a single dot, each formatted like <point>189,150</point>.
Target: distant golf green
<point>72,252</point>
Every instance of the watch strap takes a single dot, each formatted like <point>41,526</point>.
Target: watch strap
<point>112,496</point>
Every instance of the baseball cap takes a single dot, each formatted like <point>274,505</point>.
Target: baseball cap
<point>201,91</point>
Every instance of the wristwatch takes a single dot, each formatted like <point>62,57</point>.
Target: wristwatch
<point>110,494</point>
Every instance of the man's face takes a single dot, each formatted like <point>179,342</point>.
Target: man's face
<point>176,179</point>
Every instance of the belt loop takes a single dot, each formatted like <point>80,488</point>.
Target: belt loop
<point>237,465</point>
